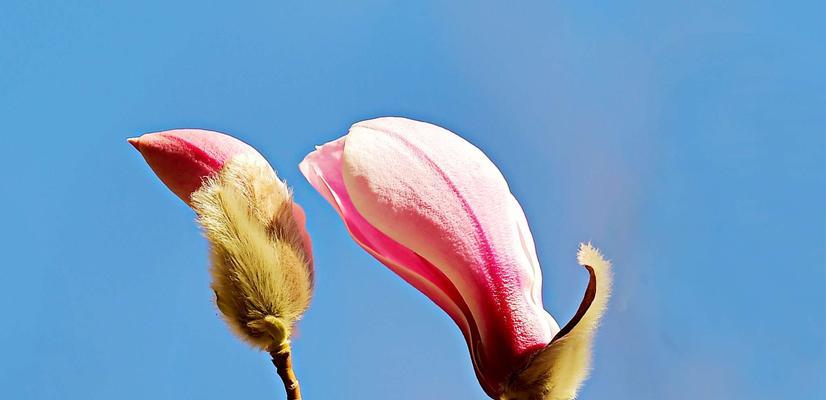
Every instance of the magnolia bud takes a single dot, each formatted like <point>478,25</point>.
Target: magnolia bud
<point>261,253</point>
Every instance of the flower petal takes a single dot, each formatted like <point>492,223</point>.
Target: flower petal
<point>322,168</point>
<point>183,158</point>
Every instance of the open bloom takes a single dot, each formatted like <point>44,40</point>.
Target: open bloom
<point>435,210</point>
<point>261,252</point>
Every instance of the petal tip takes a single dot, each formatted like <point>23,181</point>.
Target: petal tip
<point>135,142</point>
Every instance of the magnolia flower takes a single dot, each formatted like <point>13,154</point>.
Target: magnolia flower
<point>437,212</point>
<point>261,253</point>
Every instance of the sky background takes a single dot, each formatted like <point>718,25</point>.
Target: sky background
<point>687,141</point>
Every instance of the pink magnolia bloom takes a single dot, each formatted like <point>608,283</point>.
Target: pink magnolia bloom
<point>436,211</point>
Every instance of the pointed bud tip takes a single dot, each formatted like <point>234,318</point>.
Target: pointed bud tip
<point>135,142</point>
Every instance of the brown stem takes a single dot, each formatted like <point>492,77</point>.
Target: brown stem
<point>282,359</point>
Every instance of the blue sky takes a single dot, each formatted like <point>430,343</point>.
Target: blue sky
<point>687,140</point>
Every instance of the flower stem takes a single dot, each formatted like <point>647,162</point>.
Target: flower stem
<point>282,359</point>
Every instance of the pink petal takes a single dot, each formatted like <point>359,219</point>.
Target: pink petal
<point>323,170</point>
<point>183,158</point>
<point>301,220</point>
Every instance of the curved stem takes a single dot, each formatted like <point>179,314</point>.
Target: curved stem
<point>282,359</point>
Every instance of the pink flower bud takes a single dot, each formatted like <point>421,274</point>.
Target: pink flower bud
<point>262,265</point>
<point>183,158</point>
<point>435,210</point>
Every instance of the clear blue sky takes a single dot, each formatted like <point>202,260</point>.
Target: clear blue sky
<point>687,141</point>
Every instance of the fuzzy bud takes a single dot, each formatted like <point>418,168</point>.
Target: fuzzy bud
<point>262,271</point>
